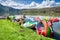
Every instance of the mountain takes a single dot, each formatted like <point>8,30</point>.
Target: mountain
<point>50,11</point>
<point>4,10</point>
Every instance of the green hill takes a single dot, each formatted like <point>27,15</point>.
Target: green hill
<point>13,31</point>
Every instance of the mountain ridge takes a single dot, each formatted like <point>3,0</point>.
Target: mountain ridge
<point>4,10</point>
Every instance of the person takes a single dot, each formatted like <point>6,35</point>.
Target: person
<point>23,17</point>
<point>39,27</point>
<point>22,20</point>
<point>8,18</point>
<point>50,23</point>
<point>39,24</point>
<point>13,19</point>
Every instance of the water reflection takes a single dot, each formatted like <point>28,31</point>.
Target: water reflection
<point>56,27</point>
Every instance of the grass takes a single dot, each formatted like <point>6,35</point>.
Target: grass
<point>13,31</point>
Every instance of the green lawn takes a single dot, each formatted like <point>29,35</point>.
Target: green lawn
<point>13,31</point>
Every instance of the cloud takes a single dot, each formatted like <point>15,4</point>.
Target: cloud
<point>33,4</point>
<point>46,4</point>
<point>58,4</point>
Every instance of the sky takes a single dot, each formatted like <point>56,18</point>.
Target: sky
<point>29,1</point>
<point>29,4</point>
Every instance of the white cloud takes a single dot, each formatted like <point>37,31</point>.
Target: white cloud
<point>58,4</point>
<point>16,5</point>
<point>46,4</point>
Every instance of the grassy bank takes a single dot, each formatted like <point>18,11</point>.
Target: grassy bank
<point>13,31</point>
